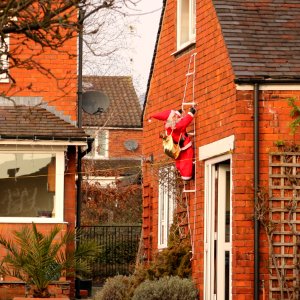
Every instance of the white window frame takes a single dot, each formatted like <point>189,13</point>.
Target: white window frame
<point>191,24</point>
<point>59,152</point>
<point>166,205</point>
<point>4,77</point>
<point>209,233</point>
<point>94,153</point>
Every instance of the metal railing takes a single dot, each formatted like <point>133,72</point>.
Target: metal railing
<point>119,247</point>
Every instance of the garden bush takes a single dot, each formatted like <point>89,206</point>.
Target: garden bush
<point>172,261</point>
<point>115,288</point>
<point>166,288</point>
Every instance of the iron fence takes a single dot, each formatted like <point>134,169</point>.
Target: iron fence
<point>119,247</point>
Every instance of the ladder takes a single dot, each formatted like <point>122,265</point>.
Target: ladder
<point>191,73</point>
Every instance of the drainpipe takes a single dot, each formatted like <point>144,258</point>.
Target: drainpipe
<point>79,117</point>
<point>256,186</point>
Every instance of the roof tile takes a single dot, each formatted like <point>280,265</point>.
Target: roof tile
<point>124,110</point>
<point>265,34</point>
<point>25,121</point>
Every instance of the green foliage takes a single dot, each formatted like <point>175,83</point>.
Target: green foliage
<point>279,143</point>
<point>172,261</point>
<point>166,288</point>
<point>115,288</point>
<point>38,258</point>
<point>121,252</point>
<point>294,113</point>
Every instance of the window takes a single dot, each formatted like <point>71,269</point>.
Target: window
<point>186,23</point>
<point>32,186</point>
<point>166,203</point>
<point>100,145</point>
<point>4,60</point>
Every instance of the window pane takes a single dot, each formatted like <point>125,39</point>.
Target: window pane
<point>102,143</point>
<point>227,265</point>
<point>184,21</point>
<point>165,203</point>
<point>193,17</point>
<point>4,59</point>
<point>227,216</point>
<point>27,184</point>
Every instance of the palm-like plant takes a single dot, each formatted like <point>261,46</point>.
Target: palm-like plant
<point>37,258</point>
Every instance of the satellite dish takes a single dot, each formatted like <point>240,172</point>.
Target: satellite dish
<point>131,145</point>
<point>94,102</point>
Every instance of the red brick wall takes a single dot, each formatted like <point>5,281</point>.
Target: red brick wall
<point>221,111</point>
<point>214,93</point>
<point>117,137</point>
<point>274,126</point>
<point>57,87</point>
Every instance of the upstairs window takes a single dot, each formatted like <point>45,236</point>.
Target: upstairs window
<point>100,145</point>
<point>4,60</point>
<point>186,23</point>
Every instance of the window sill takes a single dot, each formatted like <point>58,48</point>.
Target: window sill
<point>41,220</point>
<point>185,48</point>
<point>162,247</point>
<point>96,157</point>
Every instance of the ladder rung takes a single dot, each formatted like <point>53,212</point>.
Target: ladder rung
<point>190,73</point>
<point>191,133</point>
<point>189,191</point>
<point>188,103</point>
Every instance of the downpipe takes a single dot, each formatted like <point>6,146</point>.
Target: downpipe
<point>256,187</point>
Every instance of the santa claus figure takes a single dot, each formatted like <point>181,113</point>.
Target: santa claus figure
<point>176,125</point>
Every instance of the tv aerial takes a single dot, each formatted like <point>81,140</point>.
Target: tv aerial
<point>94,102</point>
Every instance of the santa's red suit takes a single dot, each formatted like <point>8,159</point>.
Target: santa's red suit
<point>177,127</point>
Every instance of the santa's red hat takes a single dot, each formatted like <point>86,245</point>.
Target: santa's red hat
<point>165,115</point>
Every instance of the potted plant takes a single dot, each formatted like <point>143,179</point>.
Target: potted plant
<point>38,259</point>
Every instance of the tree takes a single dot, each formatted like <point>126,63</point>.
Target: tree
<point>47,23</point>
<point>118,203</point>
<point>37,258</point>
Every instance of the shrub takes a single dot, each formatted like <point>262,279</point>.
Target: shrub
<point>166,288</point>
<point>115,288</point>
<point>172,261</point>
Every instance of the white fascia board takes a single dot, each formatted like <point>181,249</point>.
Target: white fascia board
<point>269,87</point>
<point>216,148</point>
<point>113,128</point>
<point>42,142</point>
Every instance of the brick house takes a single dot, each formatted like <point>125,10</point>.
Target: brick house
<point>246,85</point>
<point>117,131</point>
<point>39,142</point>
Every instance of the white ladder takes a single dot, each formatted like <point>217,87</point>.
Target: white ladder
<point>192,190</point>
<point>191,73</point>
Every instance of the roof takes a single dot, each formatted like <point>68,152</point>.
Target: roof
<point>124,110</point>
<point>262,37</point>
<point>26,122</point>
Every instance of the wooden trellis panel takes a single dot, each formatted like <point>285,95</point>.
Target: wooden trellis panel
<point>284,214</point>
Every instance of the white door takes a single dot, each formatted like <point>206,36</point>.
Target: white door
<point>217,258</point>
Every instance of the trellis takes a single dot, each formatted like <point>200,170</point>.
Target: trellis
<point>284,217</point>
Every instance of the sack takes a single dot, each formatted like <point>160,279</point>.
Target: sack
<point>170,148</point>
